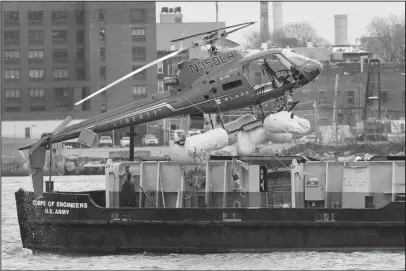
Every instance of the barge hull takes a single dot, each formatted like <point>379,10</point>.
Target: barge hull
<point>201,230</point>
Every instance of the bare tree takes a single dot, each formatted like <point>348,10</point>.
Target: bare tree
<point>303,32</point>
<point>253,40</point>
<point>387,38</point>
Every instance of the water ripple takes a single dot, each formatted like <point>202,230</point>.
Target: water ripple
<point>17,258</point>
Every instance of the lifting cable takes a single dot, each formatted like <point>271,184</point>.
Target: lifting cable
<point>214,97</point>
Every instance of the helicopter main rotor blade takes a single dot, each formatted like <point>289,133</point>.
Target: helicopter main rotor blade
<point>131,74</point>
<point>225,33</point>
<point>212,31</point>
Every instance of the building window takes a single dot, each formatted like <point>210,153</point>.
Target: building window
<point>13,93</point>
<point>103,100</point>
<point>36,92</point>
<point>60,74</point>
<point>139,53</point>
<point>160,86</point>
<point>103,73</point>
<point>80,36</point>
<point>140,90</point>
<point>322,92</point>
<point>35,17</point>
<point>59,36</point>
<point>13,108</point>
<point>138,15</point>
<point>36,36</point>
<point>61,92</point>
<point>12,56</point>
<point>102,15</point>
<point>59,16</point>
<point>350,97</point>
<point>141,75</point>
<point>138,34</point>
<point>232,84</point>
<point>102,35</point>
<point>86,104</point>
<point>80,17</point>
<point>12,74</point>
<point>102,53</point>
<point>384,95</point>
<point>80,74</point>
<point>80,55</point>
<point>64,99</point>
<point>36,74</point>
<point>11,37</point>
<point>11,17</point>
<point>35,56</point>
<point>37,107</point>
<point>178,20</point>
<point>172,67</point>
<point>104,93</point>
<point>322,100</point>
<point>59,55</point>
<point>160,68</point>
<point>12,100</point>
<point>103,108</point>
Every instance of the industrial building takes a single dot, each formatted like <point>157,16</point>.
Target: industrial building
<point>56,53</point>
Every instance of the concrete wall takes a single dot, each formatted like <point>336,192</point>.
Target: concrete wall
<point>16,129</point>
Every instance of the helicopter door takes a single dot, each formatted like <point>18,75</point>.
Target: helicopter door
<point>255,73</point>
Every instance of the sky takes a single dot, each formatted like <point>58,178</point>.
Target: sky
<point>319,14</point>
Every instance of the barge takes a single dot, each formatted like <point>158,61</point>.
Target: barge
<point>226,204</point>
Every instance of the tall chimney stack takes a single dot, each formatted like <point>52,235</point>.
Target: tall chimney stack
<point>341,30</point>
<point>264,27</point>
<point>277,15</point>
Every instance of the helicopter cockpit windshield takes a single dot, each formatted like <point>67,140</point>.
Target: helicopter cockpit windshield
<point>273,69</point>
<point>296,59</point>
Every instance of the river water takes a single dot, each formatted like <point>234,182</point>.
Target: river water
<point>13,256</point>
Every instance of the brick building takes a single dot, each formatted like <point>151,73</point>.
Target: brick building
<point>56,53</point>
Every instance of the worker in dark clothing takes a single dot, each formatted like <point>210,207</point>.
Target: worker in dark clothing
<point>127,190</point>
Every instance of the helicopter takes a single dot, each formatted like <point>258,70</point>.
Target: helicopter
<point>220,82</point>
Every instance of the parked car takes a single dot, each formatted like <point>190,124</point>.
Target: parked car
<point>149,140</point>
<point>105,141</point>
<point>125,141</point>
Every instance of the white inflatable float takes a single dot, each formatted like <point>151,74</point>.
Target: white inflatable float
<point>276,128</point>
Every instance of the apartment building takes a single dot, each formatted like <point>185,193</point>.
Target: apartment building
<point>56,53</point>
